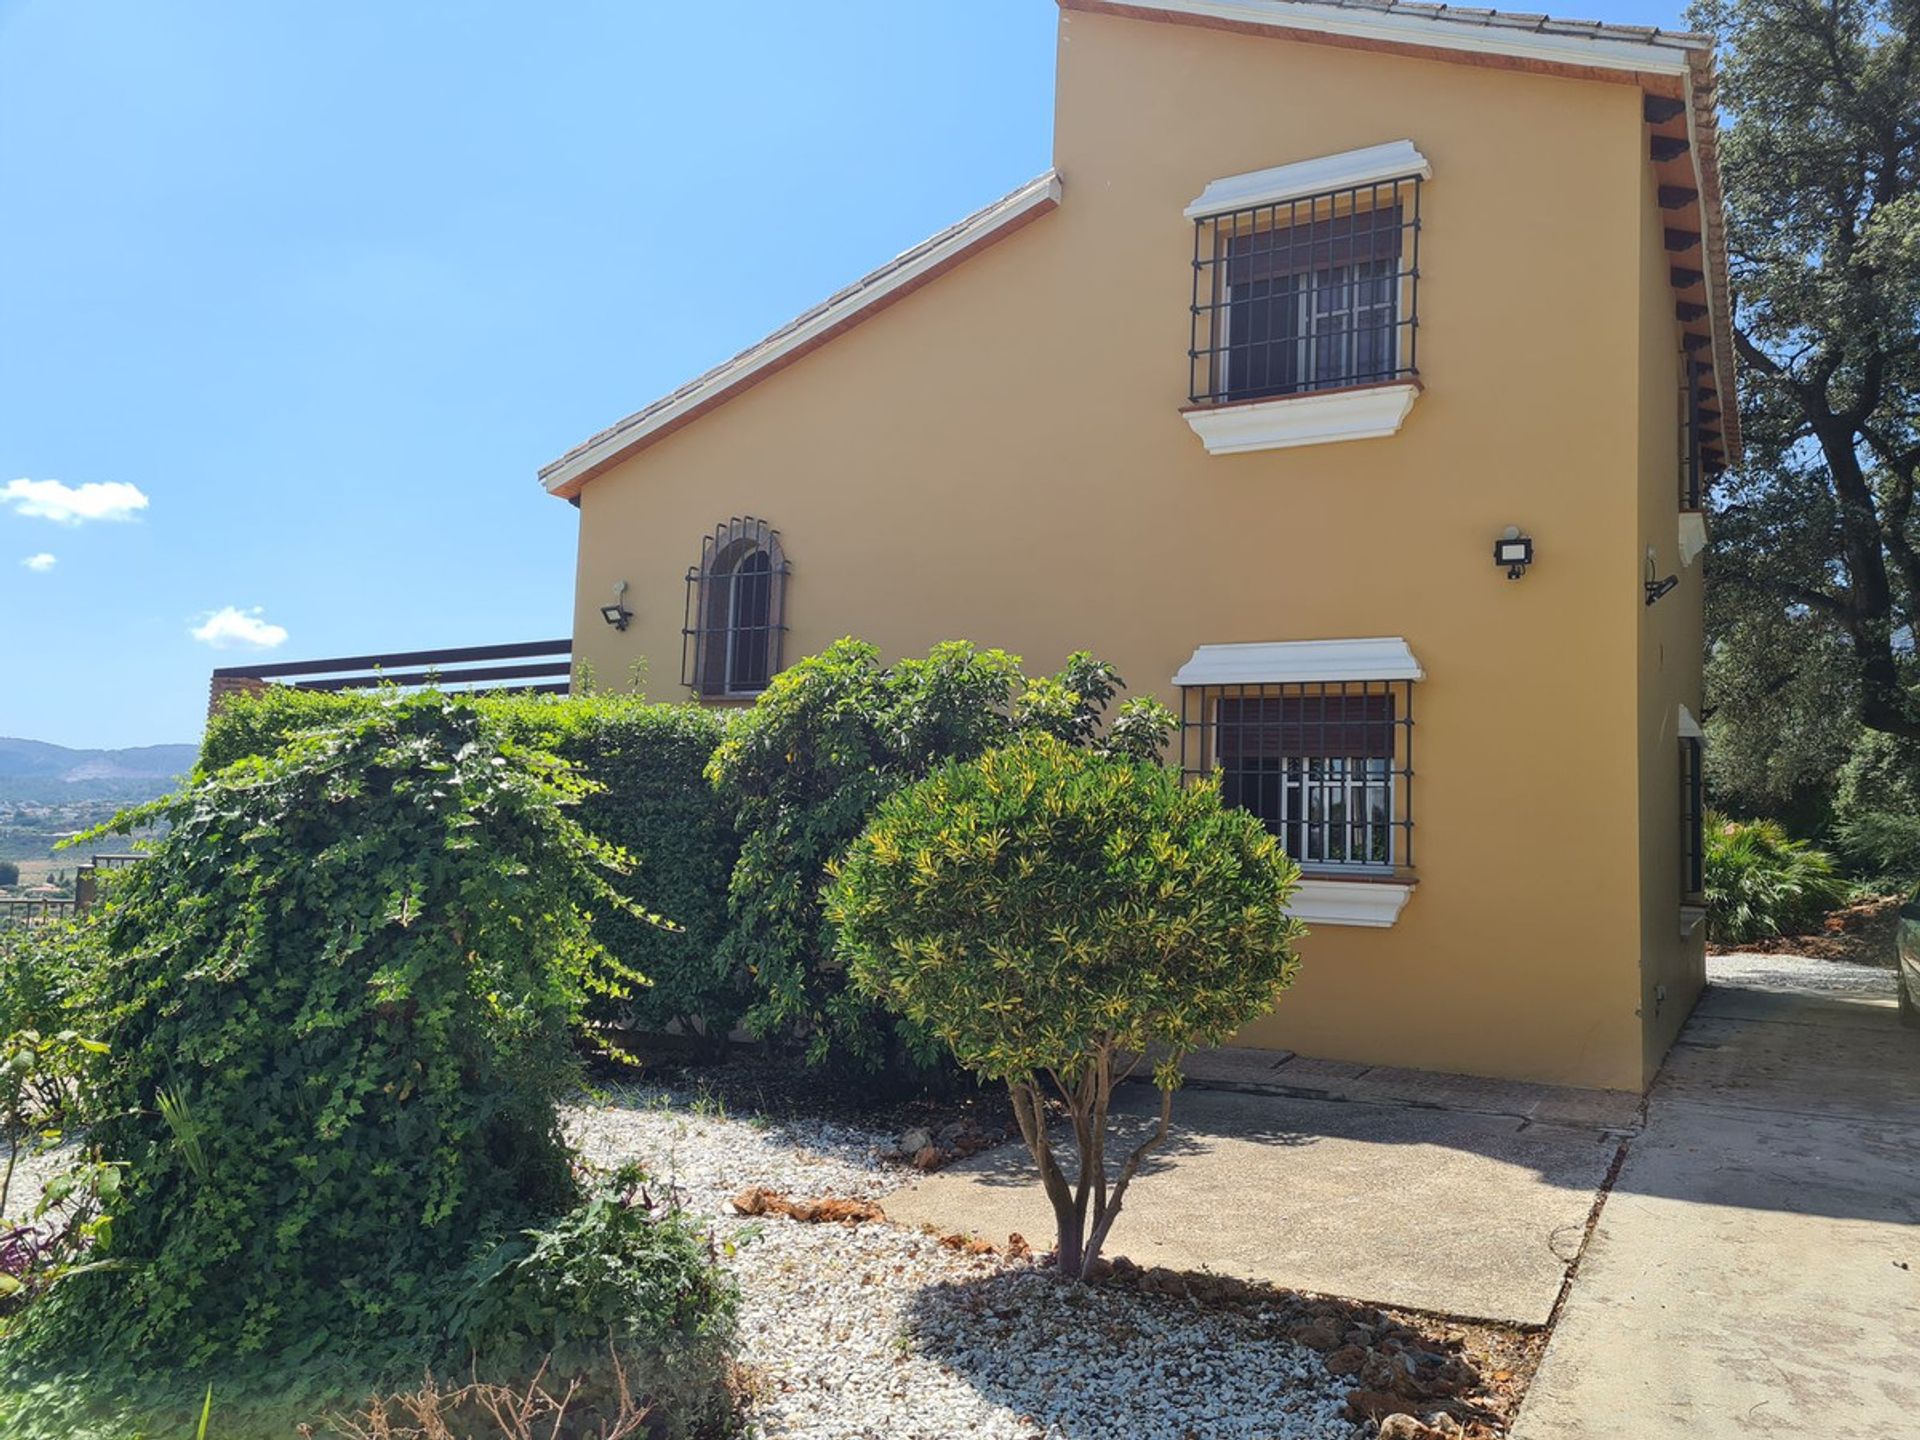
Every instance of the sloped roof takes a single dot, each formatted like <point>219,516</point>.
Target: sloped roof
<point>1508,33</point>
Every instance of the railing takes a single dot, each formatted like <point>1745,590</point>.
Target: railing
<point>39,909</point>
<point>36,909</point>
<point>539,666</point>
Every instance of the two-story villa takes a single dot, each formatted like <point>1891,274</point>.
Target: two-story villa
<point>1350,382</point>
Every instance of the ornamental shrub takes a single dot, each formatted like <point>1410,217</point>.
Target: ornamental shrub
<point>647,764</point>
<point>624,1270</point>
<point>1760,882</point>
<point>802,772</point>
<point>340,996</point>
<point>1052,916</point>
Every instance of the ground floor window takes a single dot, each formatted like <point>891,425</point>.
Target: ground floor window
<point>1693,817</point>
<point>1327,765</point>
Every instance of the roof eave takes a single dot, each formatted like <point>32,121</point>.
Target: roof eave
<point>1569,49</point>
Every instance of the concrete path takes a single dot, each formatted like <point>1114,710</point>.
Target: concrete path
<point>1756,1268</point>
<point>1404,1204</point>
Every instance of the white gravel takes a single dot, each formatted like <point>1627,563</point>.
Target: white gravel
<point>879,1331</point>
<point>1800,973</point>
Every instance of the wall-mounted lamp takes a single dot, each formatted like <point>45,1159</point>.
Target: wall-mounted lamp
<point>617,614</point>
<point>1513,550</point>
<point>1655,586</point>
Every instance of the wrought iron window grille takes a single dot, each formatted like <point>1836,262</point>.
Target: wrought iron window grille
<point>1693,818</point>
<point>736,611</point>
<point>1315,293</point>
<point>1327,766</point>
<point>1693,480</point>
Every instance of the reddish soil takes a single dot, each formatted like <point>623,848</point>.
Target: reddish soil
<point>1860,934</point>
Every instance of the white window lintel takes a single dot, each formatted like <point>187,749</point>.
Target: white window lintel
<point>1690,727</point>
<point>1396,160</point>
<point>1286,662</point>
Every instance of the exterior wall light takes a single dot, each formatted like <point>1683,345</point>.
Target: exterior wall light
<point>1655,586</point>
<point>1513,550</point>
<point>617,614</point>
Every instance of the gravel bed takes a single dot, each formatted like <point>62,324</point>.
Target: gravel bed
<point>1794,972</point>
<point>879,1331</point>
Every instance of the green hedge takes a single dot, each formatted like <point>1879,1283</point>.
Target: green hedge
<point>653,801</point>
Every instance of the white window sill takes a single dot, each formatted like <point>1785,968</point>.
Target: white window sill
<point>1370,904</point>
<point>1693,535</point>
<point>1318,417</point>
<point>1691,918</point>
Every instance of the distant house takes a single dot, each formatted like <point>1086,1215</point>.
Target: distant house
<point>1329,319</point>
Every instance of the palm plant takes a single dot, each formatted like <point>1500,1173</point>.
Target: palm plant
<point>1760,881</point>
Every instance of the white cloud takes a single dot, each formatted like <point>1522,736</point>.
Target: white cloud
<point>229,627</point>
<point>40,563</point>
<point>73,504</point>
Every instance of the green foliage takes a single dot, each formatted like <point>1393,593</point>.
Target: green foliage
<point>625,1268</point>
<point>1045,912</point>
<point>806,766</point>
<point>1761,882</point>
<point>651,798</point>
<point>1818,530</point>
<point>355,966</point>
<point>1780,711</point>
<point>1882,847</point>
<point>648,765</point>
<point>45,972</point>
<point>253,726</point>
<point>39,1078</point>
<point>1876,809</point>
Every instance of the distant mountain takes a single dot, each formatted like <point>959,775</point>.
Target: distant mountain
<point>38,760</point>
<point>32,772</point>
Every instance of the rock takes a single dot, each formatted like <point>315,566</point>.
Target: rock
<point>926,1158</point>
<point>1347,1360</point>
<point>913,1141</point>
<point>1381,1405</point>
<point>757,1200</point>
<point>1377,1372</point>
<point>1322,1334</point>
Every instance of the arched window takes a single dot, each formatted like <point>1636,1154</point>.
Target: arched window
<point>735,610</point>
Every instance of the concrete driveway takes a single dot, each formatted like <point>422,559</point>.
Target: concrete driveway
<point>1756,1268</point>
<point>1374,1185</point>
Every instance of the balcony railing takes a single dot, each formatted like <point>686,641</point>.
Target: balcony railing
<point>539,666</point>
<point>39,909</point>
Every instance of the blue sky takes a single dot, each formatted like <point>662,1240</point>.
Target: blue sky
<point>325,283</point>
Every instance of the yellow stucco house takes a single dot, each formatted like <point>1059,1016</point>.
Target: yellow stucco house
<point>1371,359</point>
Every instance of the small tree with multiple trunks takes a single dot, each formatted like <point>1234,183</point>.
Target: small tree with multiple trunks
<point>1056,916</point>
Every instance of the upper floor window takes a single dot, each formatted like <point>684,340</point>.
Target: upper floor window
<point>1306,286</point>
<point>735,610</point>
<point>1309,294</point>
